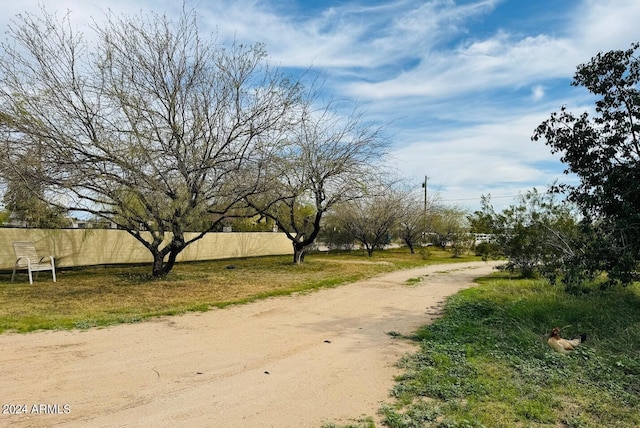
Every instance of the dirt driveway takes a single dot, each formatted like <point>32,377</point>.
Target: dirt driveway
<point>296,361</point>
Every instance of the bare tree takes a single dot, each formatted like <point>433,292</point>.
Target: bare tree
<point>151,127</point>
<point>372,220</point>
<point>449,228</point>
<point>415,226</point>
<point>328,159</point>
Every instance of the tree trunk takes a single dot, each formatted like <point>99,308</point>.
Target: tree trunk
<point>158,268</point>
<point>298,253</point>
<point>410,245</point>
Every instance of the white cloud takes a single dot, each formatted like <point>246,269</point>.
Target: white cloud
<point>493,63</point>
<point>495,157</point>
<point>537,93</point>
<point>461,105</point>
<point>602,25</point>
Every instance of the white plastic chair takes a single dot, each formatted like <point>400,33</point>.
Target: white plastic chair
<point>27,258</point>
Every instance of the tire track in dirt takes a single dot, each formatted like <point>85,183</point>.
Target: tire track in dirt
<point>294,361</point>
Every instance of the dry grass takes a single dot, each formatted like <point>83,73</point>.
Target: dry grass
<point>98,296</point>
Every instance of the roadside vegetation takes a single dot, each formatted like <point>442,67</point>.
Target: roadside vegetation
<point>486,363</point>
<point>99,296</point>
<point>573,261</point>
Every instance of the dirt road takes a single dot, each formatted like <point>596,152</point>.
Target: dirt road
<point>296,361</point>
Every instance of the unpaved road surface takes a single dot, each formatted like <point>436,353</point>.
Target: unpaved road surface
<point>295,361</point>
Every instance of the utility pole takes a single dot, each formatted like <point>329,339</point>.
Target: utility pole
<point>424,185</point>
<point>424,214</point>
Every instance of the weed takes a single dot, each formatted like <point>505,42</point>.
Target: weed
<point>416,416</point>
<point>414,281</point>
<point>364,422</point>
<point>486,363</point>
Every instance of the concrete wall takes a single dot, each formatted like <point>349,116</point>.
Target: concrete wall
<point>85,247</point>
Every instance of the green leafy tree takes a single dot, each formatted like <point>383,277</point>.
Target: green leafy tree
<point>537,234</point>
<point>27,205</point>
<point>603,150</point>
<point>482,222</point>
<point>4,216</point>
<point>334,234</point>
<point>24,196</point>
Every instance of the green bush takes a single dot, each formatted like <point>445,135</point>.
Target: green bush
<point>487,250</point>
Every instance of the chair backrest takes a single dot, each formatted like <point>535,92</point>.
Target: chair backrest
<point>25,250</point>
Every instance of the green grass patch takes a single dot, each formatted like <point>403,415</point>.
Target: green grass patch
<point>414,281</point>
<point>363,422</point>
<point>100,296</point>
<point>485,363</point>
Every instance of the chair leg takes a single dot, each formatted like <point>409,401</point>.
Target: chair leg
<point>53,272</point>
<point>30,277</point>
<point>13,274</point>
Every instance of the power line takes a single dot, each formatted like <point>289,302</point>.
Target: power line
<point>474,199</point>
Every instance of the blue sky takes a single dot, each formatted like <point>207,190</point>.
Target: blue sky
<point>461,84</point>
